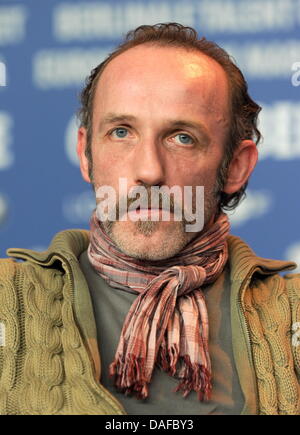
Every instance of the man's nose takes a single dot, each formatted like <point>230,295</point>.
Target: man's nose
<point>148,164</point>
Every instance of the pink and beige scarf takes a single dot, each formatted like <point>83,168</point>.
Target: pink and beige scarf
<point>167,323</point>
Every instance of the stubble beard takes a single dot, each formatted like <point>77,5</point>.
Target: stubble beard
<point>157,240</point>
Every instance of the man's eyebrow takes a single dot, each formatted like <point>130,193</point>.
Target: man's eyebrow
<point>112,118</point>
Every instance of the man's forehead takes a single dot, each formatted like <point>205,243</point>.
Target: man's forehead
<point>173,78</point>
<point>184,63</point>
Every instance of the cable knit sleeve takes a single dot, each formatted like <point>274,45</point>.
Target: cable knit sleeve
<point>272,310</point>
<point>10,330</point>
<point>45,368</point>
<point>293,289</point>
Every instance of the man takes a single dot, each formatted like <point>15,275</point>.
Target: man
<point>183,322</point>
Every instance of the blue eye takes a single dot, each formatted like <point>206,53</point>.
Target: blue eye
<point>185,138</point>
<point>121,132</point>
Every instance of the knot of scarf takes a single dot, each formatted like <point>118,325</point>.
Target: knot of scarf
<point>167,324</point>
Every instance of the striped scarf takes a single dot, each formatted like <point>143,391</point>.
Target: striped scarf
<point>167,323</point>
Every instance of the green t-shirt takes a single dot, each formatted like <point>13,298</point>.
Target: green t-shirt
<point>111,306</point>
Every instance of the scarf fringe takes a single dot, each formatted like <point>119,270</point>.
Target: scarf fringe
<point>129,376</point>
<point>195,377</point>
<point>168,359</point>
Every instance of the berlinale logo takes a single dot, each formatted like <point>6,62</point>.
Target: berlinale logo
<point>2,74</point>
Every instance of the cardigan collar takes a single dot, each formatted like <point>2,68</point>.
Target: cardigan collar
<point>69,244</point>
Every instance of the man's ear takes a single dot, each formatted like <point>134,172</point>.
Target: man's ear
<point>81,147</point>
<point>241,166</point>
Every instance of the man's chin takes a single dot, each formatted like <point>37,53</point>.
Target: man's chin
<point>148,240</point>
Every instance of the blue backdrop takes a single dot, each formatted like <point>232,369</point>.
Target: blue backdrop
<point>47,48</point>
